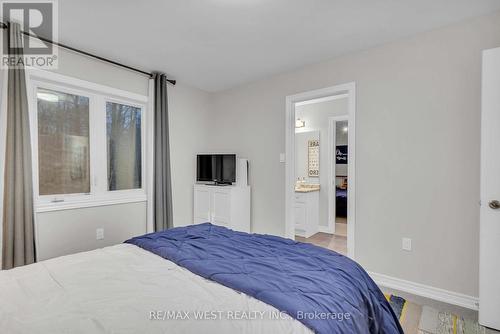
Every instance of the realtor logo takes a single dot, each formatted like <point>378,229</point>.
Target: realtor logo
<point>38,23</point>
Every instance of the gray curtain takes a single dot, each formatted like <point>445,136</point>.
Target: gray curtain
<point>18,239</point>
<point>163,218</point>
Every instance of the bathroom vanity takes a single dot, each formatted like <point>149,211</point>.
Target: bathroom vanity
<point>306,208</point>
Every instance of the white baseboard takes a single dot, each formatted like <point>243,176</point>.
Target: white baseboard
<point>324,229</point>
<point>445,296</point>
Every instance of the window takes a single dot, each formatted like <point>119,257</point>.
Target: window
<point>124,146</point>
<point>63,143</point>
<point>88,143</point>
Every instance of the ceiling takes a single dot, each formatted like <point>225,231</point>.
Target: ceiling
<point>218,44</point>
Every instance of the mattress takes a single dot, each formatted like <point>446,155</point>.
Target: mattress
<point>125,289</point>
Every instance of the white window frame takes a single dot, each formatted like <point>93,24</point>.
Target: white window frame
<point>142,107</point>
<point>98,96</point>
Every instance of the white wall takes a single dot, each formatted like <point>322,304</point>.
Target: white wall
<point>417,154</point>
<point>418,108</point>
<point>316,116</point>
<point>89,69</point>
<point>189,116</point>
<point>72,231</point>
<point>188,108</point>
<point>67,231</point>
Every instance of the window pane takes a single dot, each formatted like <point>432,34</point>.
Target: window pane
<point>63,143</point>
<point>124,146</point>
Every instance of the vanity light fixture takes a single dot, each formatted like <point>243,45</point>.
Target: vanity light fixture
<point>299,123</point>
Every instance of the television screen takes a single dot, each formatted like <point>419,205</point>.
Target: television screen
<point>218,168</point>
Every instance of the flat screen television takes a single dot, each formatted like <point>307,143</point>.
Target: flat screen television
<point>216,168</point>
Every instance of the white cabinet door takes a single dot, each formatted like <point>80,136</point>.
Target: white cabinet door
<point>489,249</point>
<point>221,207</point>
<point>202,204</point>
<point>300,208</point>
<point>300,216</point>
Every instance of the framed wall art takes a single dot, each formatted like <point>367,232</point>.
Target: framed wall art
<point>313,157</point>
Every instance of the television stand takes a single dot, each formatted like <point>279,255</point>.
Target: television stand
<point>222,184</point>
<point>216,184</point>
<point>227,206</point>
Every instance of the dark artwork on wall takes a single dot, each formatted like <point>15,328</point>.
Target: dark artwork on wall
<point>341,155</point>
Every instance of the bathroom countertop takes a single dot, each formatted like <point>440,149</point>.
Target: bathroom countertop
<point>307,188</point>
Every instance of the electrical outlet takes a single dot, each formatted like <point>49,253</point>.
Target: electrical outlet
<point>406,244</point>
<point>99,234</point>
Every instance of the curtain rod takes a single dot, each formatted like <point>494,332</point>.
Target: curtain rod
<point>88,54</point>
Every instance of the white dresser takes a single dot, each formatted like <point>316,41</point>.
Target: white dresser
<point>227,206</point>
<point>306,208</point>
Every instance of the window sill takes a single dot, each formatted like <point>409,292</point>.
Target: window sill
<point>89,203</point>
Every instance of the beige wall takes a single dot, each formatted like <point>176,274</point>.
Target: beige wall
<point>417,154</point>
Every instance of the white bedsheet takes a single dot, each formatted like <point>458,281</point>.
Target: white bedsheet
<point>119,289</point>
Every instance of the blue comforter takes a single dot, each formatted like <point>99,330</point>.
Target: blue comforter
<point>327,292</point>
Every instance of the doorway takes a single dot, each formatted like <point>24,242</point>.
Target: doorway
<point>339,132</point>
<point>319,170</point>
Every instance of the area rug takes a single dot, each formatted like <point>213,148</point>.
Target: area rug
<point>397,303</point>
<point>407,312</point>
<point>433,321</point>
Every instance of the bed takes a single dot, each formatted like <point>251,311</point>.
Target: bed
<point>340,202</point>
<point>197,279</point>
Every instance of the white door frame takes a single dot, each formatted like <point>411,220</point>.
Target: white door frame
<point>3,133</point>
<point>332,169</point>
<point>350,90</point>
<point>489,214</point>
